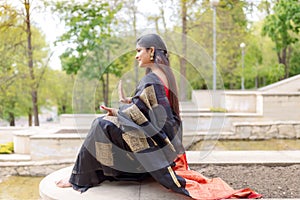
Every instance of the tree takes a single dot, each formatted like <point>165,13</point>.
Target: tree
<point>182,86</point>
<point>282,27</point>
<point>295,60</point>
<point>127,20</point>
<point>20,53</point>
<point>35,81</point>
<point>8,71</point>
<point>56,90</point>
<point>261,66</point>
<point>231,30</point>
<point>89,39</point>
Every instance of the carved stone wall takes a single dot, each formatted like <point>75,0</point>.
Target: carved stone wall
<point>267,130</point>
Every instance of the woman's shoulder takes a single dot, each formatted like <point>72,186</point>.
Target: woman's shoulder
<point>150,78</point>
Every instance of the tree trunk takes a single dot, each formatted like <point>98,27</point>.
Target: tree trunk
<point>107,82</point>
<point>35,107</point>
<point>11,119</point>
<point>256,82</point>
<point>106,89</point>
<point>64,108</point>
<point>288,57</point>
<point>182,89</point>
<point>103,89</point>
<point>283,61</point>
<point>29,118</point>
<point>30,64</point>
<point>134,21</point>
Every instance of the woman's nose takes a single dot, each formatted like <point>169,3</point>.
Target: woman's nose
<point>136,56</point>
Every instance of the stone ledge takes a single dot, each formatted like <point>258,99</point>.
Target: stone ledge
<point>32,168</point>
<point>14,157</point>
<point>191,133</point>
<point>243,157</point>
<point>280,94</point>
<point>11,163</point>
<point>60,136</point>
<point>124,190</point>
<point>263,123</point>
<point>43,168</point>
<point>222,114</point>
<point>267,130</point>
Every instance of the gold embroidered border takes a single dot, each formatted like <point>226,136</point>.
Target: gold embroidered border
<point>144,98</point>
<point>168,142</point>
<point>174,176</point>
<point>104,153</point>
<point>135,114</point>
<point>136,140</point>
<point>112,119</point>
<point>151,95</point>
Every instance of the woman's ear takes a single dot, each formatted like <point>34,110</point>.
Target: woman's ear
<point>152,53</point>
<point>152,49</point>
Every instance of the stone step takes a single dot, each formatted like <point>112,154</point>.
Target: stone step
<point>14,157</point>
<point>50,146</point>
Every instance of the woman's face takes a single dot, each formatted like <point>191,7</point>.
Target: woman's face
<point>143,56</point>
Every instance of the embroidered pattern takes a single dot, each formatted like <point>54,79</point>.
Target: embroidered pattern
<point>136,140</point>
<point>112,119</point>
<point>151,95</point>
<point>135,114</point>
<point>144,98</point>
<point>104,153</point>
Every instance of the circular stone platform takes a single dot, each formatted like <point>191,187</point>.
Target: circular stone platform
<point>123,190</point>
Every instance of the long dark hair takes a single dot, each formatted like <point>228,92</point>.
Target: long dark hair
<point>161,60</point>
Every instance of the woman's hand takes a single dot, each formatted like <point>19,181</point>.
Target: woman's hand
<point>122,97</point>
<point>110,111</point>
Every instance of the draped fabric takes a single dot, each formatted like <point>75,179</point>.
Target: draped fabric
<point>142,140</point>
<point>201,187</point>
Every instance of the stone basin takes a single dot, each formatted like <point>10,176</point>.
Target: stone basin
<point>122,190</point>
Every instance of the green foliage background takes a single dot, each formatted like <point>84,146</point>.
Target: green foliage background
<point>98,31</point>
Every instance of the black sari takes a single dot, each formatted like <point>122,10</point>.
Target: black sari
<point>142,140</point>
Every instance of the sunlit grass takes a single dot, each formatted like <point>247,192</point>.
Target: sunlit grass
<point>20,188</point>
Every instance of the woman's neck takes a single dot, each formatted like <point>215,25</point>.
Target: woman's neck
<point>156,70</point>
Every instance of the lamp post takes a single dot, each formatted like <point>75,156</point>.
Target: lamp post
<point>242,45</point>
<point>214,4</point>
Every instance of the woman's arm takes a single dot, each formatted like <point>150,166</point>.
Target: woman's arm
<point>122,97</point>
<point>110,111</point>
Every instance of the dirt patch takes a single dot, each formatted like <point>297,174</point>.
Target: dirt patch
<point>269,180</point>
<point>237,145</point>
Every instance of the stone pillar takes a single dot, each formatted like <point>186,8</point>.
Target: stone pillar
<point>22,142</point>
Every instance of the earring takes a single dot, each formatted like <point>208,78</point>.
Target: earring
<point>152,56</point>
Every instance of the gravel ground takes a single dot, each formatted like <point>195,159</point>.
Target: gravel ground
<point>272,181</point>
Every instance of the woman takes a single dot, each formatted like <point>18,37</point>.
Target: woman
<point>143,137</point>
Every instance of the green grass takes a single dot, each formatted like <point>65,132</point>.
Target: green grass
<point>217,109</point>
<point>20,188</point>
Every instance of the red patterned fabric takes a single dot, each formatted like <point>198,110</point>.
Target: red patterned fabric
<point>202,188</point>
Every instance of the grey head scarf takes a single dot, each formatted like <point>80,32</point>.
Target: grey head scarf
<point>152,40</point>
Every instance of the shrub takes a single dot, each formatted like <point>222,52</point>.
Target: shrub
<point>7,148</point>
<point>217,109</point>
